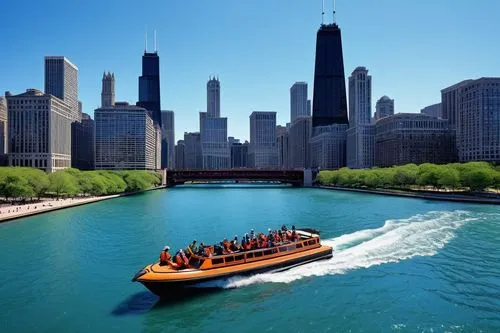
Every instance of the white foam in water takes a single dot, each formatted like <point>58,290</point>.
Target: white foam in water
<point>396,240</point>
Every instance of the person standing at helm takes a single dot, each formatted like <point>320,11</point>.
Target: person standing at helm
<point>165,257</point>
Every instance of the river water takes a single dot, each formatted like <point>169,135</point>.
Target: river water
<point>399,265</point>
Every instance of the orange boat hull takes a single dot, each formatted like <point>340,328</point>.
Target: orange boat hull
<point>165,281</point>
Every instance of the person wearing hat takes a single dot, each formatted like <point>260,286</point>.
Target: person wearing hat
<point>165,257</point>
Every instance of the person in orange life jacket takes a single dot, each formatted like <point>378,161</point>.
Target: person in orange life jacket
<point>235,245</point>
<point>165,257</point>
<point>277,238</point>
<point>180,259</point>
<point>270,237</point>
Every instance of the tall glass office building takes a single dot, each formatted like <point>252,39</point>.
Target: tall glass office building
<point>329,97</point>
<point>149,86</point>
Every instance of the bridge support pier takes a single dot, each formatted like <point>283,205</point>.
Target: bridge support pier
<point>308,178</point>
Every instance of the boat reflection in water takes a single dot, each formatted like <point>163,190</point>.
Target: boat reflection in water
<point>167,281</point>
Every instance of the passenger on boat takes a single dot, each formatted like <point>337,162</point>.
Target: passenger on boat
<point>192,248</point>
<point>227,246</point>
<point>252,234</point>
<point>295,236</point>
<point>165,257</point>
<point>219,249</point>
<point>235,245</point>
<point>201,249</point>
<point>181,261</point>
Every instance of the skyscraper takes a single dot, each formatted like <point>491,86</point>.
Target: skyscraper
<point>298,101</point>
<point>3,126</point>
<point>298,141</point>
<point>149,86</point>
<point>216,153</point>
<point>61,81</point>
<point>168,140</point>
<point>213,98</point>
<point>108,90</point>
<point>329,97</point>
<point>384,107</point>
<point>360,136</point>
<point>329,118</point>
<point>477,120</point>
<point>192,151</point>
<point>360,97</point>
<point>179,154</point>
<point>125,138</point>
<point>39,133</point>
<point>83,143</point>
<point>263,152</point>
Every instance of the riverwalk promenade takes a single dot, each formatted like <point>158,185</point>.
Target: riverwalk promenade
<point>11,212</point>
<point>429,195</point>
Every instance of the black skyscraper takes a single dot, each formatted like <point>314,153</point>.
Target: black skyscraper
<point>149,86</point>
<point>329,99</point>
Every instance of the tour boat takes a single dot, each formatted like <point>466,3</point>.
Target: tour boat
<point>164,280</point>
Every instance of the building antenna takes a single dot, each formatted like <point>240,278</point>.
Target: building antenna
<point>334,11</point>
<point>155,41</point>
<point>323,13</point>
<point>146,40</point>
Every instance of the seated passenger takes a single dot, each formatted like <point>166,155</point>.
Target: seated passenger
<point>219,249</point>
<point>192,248</point>
<point>284,228</point>
<point>201,250</point>
<point>181,260</point>
<point>165,257</point>
<point>227,246</point>
<point>295,235</point>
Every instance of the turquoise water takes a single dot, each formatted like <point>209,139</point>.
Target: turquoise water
<point>400,265</point>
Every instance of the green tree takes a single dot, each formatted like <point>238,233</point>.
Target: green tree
<point>479,179</point>
<point>37,180</point>
<point>63,183</point>
<point>449,178</point>
<point>406,175</point>
<point>136,182</point>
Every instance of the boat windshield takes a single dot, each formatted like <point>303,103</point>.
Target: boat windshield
<point>196,262</point>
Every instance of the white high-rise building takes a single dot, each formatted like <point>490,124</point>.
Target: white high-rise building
<point>126,138</point>
<point>168,139</point>
<point>384,107</point>
<point>262,152</point>
<point>61,81</point>
<point>298,101</point>
<point>108,90</point>
<point>360,136</point>
<point>39,133</point>
<point>360,97</point>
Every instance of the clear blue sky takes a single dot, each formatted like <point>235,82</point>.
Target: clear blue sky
<point>258,49</point>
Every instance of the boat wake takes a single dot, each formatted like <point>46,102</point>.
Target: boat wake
<point>396,240</point>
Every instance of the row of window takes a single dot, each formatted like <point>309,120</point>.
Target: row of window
<point>258,254</point>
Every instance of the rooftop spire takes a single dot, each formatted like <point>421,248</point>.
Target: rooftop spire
<point>334,12</point>
<point>146,41</point>
<point>323,12</point>
<point>155,40</point>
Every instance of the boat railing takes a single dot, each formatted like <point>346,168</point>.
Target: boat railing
<point>239,257</point>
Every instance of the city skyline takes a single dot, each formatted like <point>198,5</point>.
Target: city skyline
<point>393,52</point>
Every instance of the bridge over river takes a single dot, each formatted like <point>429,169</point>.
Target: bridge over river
<point>297,177</point>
